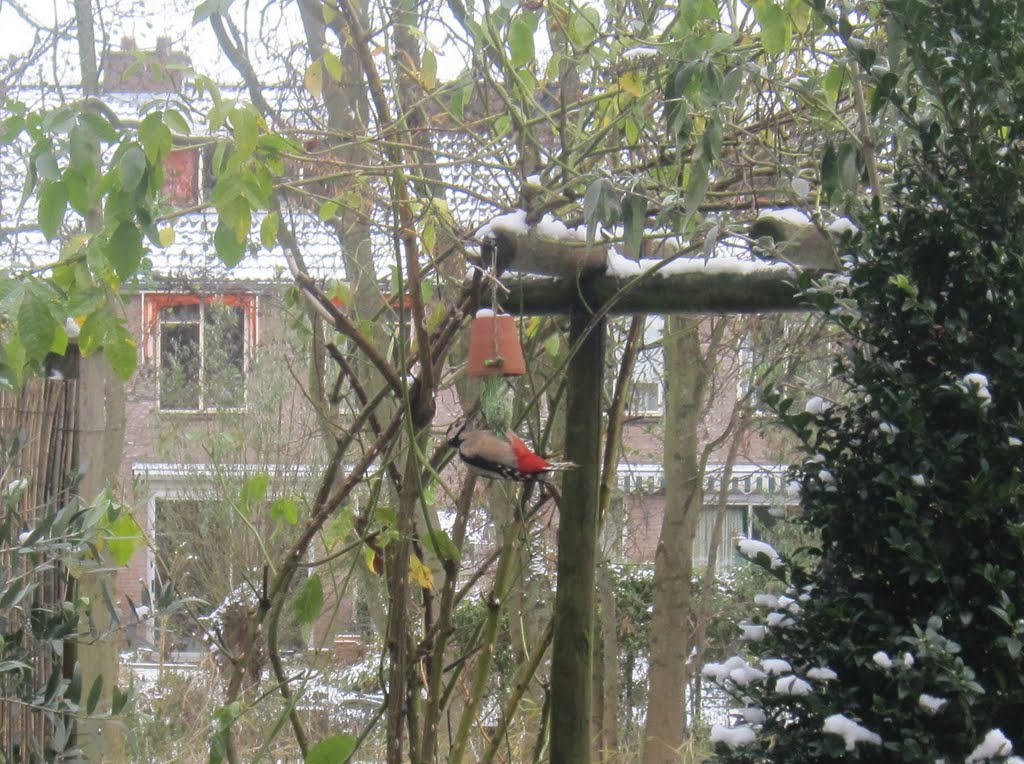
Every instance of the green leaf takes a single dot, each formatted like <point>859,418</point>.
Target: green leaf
<point>333,65</point>
<point>229,249</point>
<point>268,230</point>
<point>131,167</point>
<point>246,129</point>
<point>696,187</point>
<point>95,692</point>
<point>124,539</point>
<point>53,204</point>
<point>314,78</point>
<point>155,136</point>
<point>634,219</point>
<point>209,7</point>
<point>120,700</point>
<point>254,490</point>
<point>124,249</point>
<point>520,42</point>
<point>443,546</point>
<point>775,31</point>
<point>335,749</point>
<point>285,510</point>
<point>309,600</point>
<point>121,351</point>
<point>176,122</point>
<point>36,325</point>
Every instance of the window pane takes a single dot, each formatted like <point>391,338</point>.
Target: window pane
<point>174,313</point>
<point>224,356</point>
<point>179,366</point>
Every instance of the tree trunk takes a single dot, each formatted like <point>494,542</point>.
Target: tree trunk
<point>686,376</point>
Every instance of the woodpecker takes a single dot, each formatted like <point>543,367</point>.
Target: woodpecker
<point>507,458</point>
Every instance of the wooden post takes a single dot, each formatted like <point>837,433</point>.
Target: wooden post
<point>100,444</point>
<point>572,649</point>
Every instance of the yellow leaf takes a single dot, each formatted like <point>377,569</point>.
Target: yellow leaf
<point>420,573</point>
<point>314,79</point>
<point>333,65</point>
<point>630,82</point>
<point>166,236</point>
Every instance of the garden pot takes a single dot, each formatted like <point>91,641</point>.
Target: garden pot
<point>494,347</point>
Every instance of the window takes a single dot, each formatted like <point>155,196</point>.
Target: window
<point>646,398</point>
<point>199,347</point>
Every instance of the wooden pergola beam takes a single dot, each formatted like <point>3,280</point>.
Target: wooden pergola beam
<point>764,291</point>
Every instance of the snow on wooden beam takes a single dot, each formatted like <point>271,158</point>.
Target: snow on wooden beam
<point>758,291</point>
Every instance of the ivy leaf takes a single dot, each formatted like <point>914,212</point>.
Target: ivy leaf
<point>335,749</point>
<point>309,600</point>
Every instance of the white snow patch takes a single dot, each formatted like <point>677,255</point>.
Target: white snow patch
<point>977,383</point>
<point>16,485</point>
<point>752,632</point>
<point>484,313</point>
<point>640,52</point>
<point>888,428</point>
<point>745,675</point>
<point>851,732</point>
<point>779,620</point>
<point>821,674</point>
<point>751,548</point>
<point>994,744</point>
<point>620,265</point>
<point>512,223</point>
<point>776,666</point>
<point>750,714</point>
<point>766,600</point>
<point>826,477</point>
<point>533,180</point>
<point>908,660</point>
<point>719,671</point>
<point>918,480</point>
<point>785,215</point>
<point>817,405</point>
<point>841,227</point>
<point>792,685</point>
<point>882,659</point>
<point>930,703</point>
<point>734,737</point>
<point>1012,441</point>
<point>550,228</point>
<point>71,328</point>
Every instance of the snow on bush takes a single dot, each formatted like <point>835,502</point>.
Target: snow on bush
<point>734,737</point>
<point>751,548</point>
<point>851,732</point>
<point>792,685</point>
<point>995,744</point>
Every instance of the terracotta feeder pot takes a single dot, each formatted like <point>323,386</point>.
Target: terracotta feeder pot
<point>494,347</point>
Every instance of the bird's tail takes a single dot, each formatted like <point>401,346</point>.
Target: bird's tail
<point>559,466</point>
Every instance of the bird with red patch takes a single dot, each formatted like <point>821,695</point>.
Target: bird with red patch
<point>503,458</point>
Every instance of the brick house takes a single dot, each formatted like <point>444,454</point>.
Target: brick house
<point>216,399</point>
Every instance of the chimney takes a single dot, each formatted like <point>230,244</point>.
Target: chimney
<point>134,70</point>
